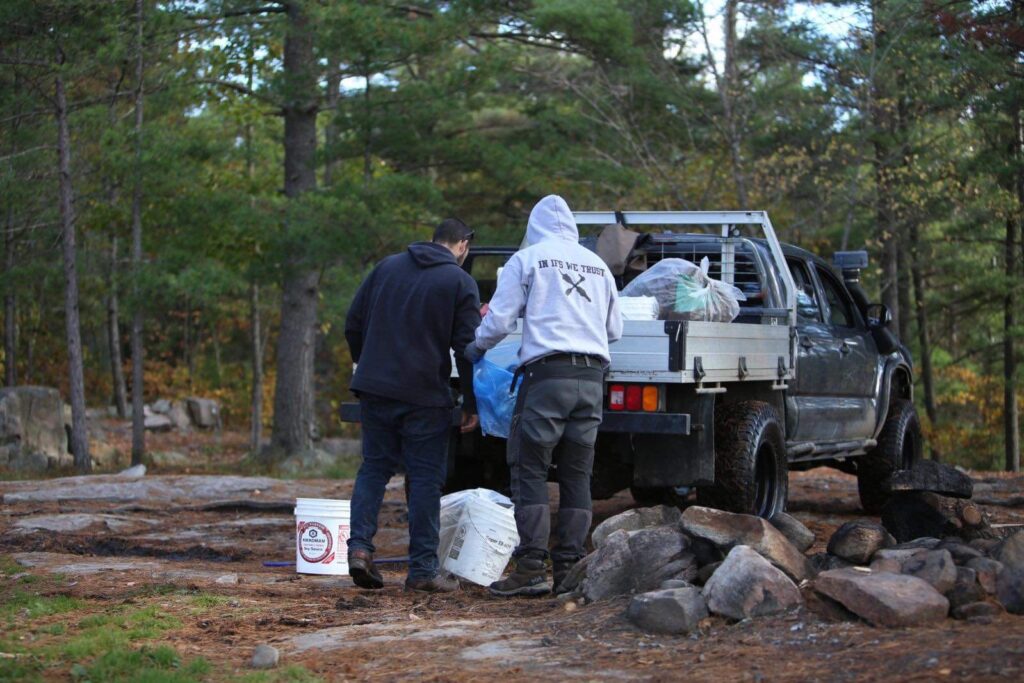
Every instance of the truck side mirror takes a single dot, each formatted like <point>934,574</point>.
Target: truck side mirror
<point>878,315</point>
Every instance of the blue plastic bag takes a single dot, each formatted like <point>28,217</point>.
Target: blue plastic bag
<point>491,383</point>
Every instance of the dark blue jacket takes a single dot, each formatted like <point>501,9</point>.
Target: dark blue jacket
<point>405,318</point>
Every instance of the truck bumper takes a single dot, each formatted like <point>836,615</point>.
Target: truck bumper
<point>614,421</point>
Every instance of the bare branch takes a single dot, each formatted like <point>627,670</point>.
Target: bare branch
<point>27,151</point>
<point>237,87</point>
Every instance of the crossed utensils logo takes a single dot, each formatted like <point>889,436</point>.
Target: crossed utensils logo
<point>575,286</point>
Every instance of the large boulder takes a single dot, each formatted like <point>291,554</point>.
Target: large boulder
<point>987,570</point>
<point>747,585</point>
<point>884,599</point>
<point>728,530</point>
<point>792,528</point>
<point>908,516</point>
<point>934,566</point>
<point>1011,552</point>
<point>177,413</point>
<point>157,423</point>
<point>637,562</point>
<point>1010,590</point>
<point>32,432</point>
<point>858,541</point>
<point>634,520</point>
<point>205,412</point>
<point>672,611</point>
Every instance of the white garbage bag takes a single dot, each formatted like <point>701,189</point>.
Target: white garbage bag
<point>685,292</point>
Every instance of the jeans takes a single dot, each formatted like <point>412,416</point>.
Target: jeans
<point>394,433</point>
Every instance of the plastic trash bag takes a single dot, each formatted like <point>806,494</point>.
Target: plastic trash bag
<point>492,380</point>
<point>685,292</point>
<point>451,511</point>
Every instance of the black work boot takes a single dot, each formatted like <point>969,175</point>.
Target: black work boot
<point>562,568</point>
<point>530,577</point>
<point>362,571</point>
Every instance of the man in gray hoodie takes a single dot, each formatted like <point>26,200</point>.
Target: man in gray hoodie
<point>569,305</point>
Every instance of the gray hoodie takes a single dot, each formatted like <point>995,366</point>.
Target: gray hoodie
<point>563,292</point>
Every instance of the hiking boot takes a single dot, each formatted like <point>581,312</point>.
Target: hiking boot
<point>561,572</point>
<point>530,577</point>
<point>437,584</point>
<point>362,571</point>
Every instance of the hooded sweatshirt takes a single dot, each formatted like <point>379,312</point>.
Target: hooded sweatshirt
<point>563,292</point>
<point>406,316</point>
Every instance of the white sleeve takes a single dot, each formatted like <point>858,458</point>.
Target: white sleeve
<point>505,307</point>
<point>614,322</point>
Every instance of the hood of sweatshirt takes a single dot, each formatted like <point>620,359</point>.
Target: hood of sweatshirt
<point>551,219</point>
<point>430,254</point>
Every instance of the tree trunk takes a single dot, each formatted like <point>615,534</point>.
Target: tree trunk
<point>923,333</point>
<point>138,419</point>
<point>10,308</point>
<point>727,91</point>
<point>1011,411</point>
<point>256,430</point>
<point>294,420</point>
<point>79,432</point>
<point>120,396</point>
<point>903,264</point>
<point>331,132</point>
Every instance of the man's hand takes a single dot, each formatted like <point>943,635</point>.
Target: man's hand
<point>473,353</point>
<point>469,422</point>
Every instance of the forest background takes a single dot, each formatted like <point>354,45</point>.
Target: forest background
<point>191,190</point>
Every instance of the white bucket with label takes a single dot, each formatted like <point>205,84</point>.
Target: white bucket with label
<point>482,543</point>
<point>322,529</point>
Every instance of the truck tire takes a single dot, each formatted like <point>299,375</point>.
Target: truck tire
<point>899,447</point>
<point>751,472</point>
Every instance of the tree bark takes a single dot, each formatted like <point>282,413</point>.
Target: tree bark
<point>727,91</point>
<point>138,419</point>
<point>923,332</point>
<point>331,132</point>
<point>294,420</point>
<point>79,432</point>
<point>256,430</point>
<point>1011,409</point>
<point>120,394</point>
<point>10,308</point>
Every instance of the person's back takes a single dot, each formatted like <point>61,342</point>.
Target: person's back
<point>408,315</point>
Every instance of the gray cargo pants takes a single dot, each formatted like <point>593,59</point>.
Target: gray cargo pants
<point>559,405</point>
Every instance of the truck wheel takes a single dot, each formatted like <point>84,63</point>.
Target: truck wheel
<point>751,472</point>
<point>899,447</point>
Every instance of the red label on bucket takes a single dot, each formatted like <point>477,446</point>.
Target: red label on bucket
<point>315,543</point>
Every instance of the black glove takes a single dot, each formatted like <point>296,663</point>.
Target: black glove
<point>473,353</point>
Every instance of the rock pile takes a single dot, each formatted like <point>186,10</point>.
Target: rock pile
<point>164,415</point>
<point>682,568</point>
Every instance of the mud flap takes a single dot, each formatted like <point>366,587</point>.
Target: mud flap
<point>676,459</point>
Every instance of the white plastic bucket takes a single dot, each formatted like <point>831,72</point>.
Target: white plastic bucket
<point>482,543</point>
<point>322,529</point>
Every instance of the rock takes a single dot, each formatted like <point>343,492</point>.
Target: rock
<point>579,570</point>
<point>205,412</point>
<point>792,528</point>
<point>227,579</point>
<point>179,417</point>
<point>934,566</point>
<point>634,520</point>
<point>746,585</point>
<point>309,461</point>
<point>670,611</point>
<point>884,599</point>
<point>985,545</point>
<point>966,589</point>
<point>908,516</point>
<point>161,406</point>
<point>899,554</point>
<point>1011,552</point>
<point>928,475</point>
<point>32,433</point>
<point>858,541</point>
<point>349,448</point>
<point>706,552</point>
<point>886,564</point>
<point>674,583</point>
<point>169,459</point>
<point>986,570</point>
<point>823,562</point>
<point>728,529</point>
<point>977,609</point>
<point>924,542</point>
<point>1010,590</point>
<point>158,423</point>
<point>106,456</point>
<point>707,571</point>
<point>133,472</point>
<point>637,561</point>
<point>961,552</point>
<point>265,657</point>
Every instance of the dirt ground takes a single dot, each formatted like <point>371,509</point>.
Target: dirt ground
<point>194,547</point>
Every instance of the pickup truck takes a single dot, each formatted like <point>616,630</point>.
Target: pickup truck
<point>808,374</point>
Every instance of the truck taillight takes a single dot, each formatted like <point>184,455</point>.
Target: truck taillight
<point>650,398</point>
<point>617,397</point>
<point>634,397</point>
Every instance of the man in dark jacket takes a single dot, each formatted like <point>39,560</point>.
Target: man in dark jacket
<point>406,317</point>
